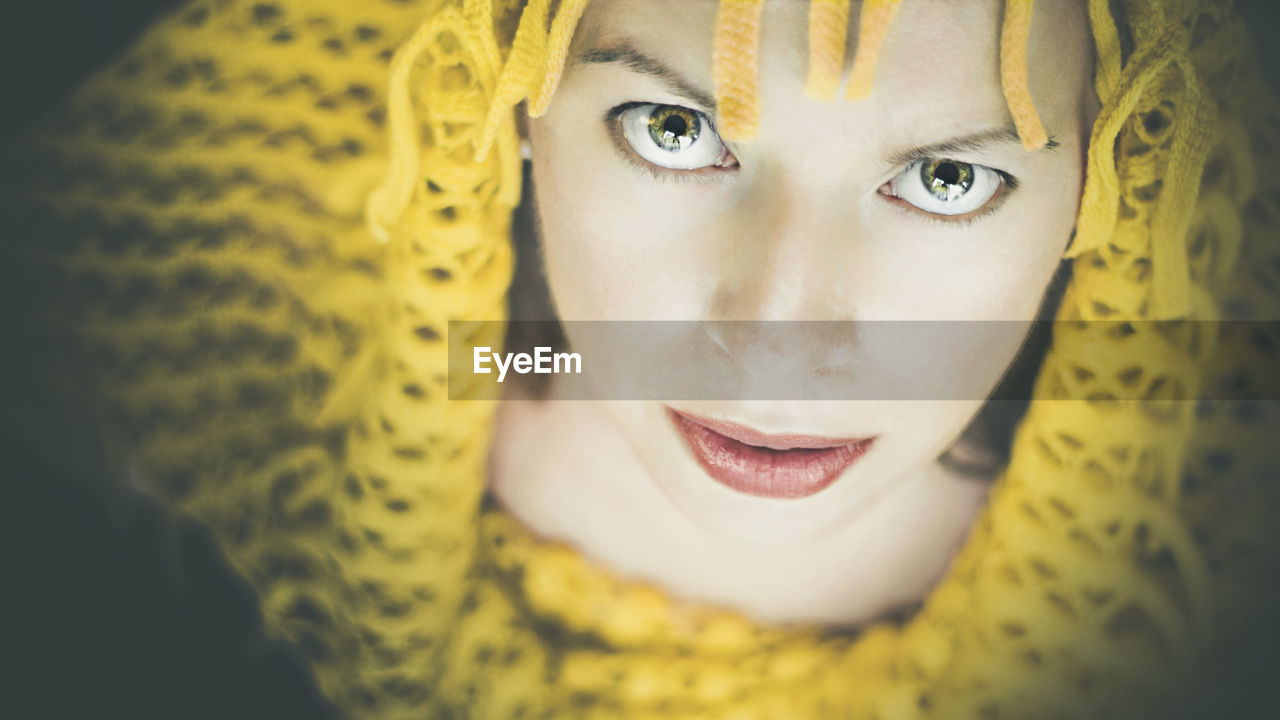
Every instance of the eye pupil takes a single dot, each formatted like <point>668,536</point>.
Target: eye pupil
<point>947,180</point>
<point>673,128</point>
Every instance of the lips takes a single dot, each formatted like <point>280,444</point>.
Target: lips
<point>772,466</point>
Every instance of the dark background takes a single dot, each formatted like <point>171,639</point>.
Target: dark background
<point>112,611</point>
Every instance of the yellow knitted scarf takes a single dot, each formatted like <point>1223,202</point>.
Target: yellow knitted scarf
<point>202,216</point>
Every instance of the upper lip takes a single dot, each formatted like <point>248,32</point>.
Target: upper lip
<point>773,441</point>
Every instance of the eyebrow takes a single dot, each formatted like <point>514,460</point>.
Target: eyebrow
<point>626,55</point>
<point>981,140</point>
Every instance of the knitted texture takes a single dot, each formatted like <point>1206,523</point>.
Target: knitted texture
<point>873,28</point>
<point>199,229</point>
<point>1013,73</point>
<point>735,59</point>
<point>828,32</point>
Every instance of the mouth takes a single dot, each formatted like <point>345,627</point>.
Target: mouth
<point>771,466</point>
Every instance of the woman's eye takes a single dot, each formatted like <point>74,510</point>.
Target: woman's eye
<point>947,187</point>
<point>672,137</point>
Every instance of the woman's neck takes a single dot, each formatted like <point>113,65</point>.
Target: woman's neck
<point>604,503</point>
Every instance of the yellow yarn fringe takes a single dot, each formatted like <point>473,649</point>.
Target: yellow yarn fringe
<point>828,30</point>
<point>873,28</point>
<point>1013,73</point>
<point>734,63</point>
<point>538,56</point>
<point>557,51</point>
<point>1100,206</point>
<point>539,53</point>
<point>389,200</point>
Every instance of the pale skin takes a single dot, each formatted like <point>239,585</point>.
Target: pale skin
<point>813,220</point>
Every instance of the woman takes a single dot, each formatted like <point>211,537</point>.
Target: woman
<point>208,214</point>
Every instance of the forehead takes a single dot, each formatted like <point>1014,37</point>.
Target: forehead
<point>939,54</point>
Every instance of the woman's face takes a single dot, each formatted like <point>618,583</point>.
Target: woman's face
<point>916,203</point>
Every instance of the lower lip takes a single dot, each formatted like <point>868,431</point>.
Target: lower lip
<point>806,466</point>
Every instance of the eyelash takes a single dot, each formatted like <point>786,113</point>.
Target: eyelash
<point>1008,183</point>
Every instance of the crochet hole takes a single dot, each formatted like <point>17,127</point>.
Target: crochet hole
<point>1126,211</point>
<point>264,13</point>
<point>1156,125</point>
<point>1097,597</point>
<point>455,78</point>
<point>1099,471</point>
<point>1141,269</point>
<point>1042,569</point>
<point>1083,539</point>
<point>409,453</point>
<point>352,487</point>
<point>1199,243</point>
<point>1263,343</point>
<point>1013,629</point>
<point>1148,193</point>
<point>1163,389</point>
<point>448,43</point>
<point>1131,621</point>
<point>1119,331</point>
<point>1070,441</point>
<point>1218,460</point>
<point>1048,452</point>
<point>1119,452</point>
<point>1202,28</point>
<point>1062,508</point>
<point>1061,604</point>
<point>1214,170</point>
<point>1130,377</point>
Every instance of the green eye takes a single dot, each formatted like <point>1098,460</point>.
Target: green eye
<point>671,136</point>
<point>947,187</point>
<point>947,180</point>
<point>674,128</point>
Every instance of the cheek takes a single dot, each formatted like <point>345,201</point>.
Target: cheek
<point>996,269</point>
<point>618,244</point>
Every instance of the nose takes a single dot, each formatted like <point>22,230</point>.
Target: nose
<point>786,252</point>
<point>782,308</point>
